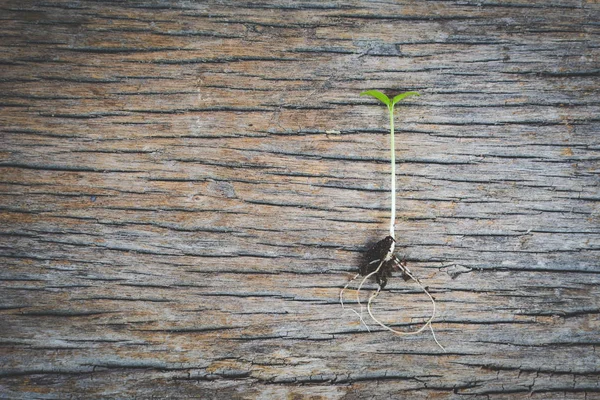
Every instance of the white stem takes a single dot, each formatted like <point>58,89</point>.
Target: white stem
<point>393,185</point>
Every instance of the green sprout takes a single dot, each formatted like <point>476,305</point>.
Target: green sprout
<point>380,258</point>
<point>390,105</point>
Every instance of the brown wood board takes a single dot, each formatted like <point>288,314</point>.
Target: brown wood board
<point>186,186</point>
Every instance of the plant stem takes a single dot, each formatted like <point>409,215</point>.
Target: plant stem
<point>393,161</point>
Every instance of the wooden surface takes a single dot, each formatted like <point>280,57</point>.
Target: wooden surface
<point>186,186</point>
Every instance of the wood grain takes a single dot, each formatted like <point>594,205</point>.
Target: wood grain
<point>186,186</point>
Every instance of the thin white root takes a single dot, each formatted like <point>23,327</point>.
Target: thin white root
<point>362,321</point>
<point>425,326</point>
<point>432,313</point>
<point>346,287</point>
<point>363,282</point>
<point>360,316</point>
<point>354,311</point>
<point>434,338</point>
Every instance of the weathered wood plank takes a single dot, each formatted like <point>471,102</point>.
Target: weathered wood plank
<point>185,187</point>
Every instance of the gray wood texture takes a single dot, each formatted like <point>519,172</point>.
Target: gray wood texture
<point>186,186</point>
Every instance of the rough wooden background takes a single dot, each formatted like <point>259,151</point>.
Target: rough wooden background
<point>186,186</point>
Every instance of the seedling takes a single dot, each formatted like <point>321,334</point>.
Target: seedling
<point>380,259</point>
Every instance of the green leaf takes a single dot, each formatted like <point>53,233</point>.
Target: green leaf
<point>402,96</point>
<point>378,95</point>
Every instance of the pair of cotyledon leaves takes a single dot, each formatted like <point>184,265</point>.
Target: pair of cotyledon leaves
<point>386,100</point>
